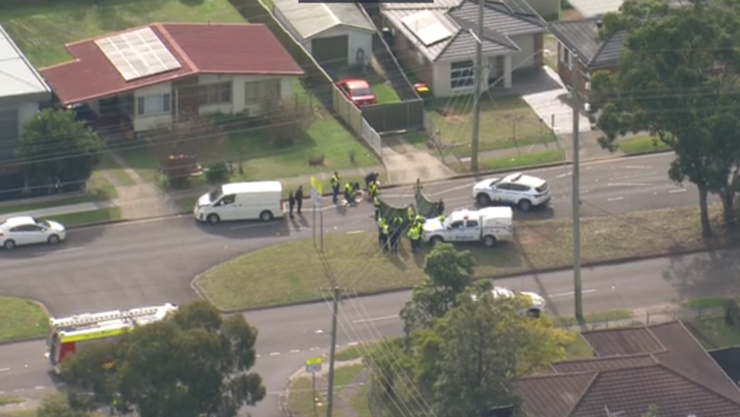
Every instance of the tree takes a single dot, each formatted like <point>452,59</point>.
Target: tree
<point>182,146</point>
<point>65,405</point>
<point>284,121</point>
<point>651,412</point>
<point>195,364</point>
<point>55,147</point>
<point>677,79</point>
<point>449,272</point>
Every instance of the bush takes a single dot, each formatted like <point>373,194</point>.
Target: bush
<point>217,173</point>
<point>732,313</point>
<point>285,122</point>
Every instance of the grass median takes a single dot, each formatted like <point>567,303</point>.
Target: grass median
<point>21,319</point>
<point>292,272</point>
<point>641,144</point>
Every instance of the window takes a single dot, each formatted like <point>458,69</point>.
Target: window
<point>505,187</point>
<point>519,187</point>
<point>227,199</point>
<point>259,91</point>
<point>471,223</point>
<point>152,105</point>
<point>462,74</point>
<point>215,94</point>
<point>457,224</point>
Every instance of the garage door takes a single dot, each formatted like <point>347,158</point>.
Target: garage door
<point>8,134</point>
<point>331,52</point>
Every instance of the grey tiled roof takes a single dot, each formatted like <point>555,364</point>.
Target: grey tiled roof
<point>660,365</point>
<point>311,19</point>
<point>500,23</point>
<point>580,36</point>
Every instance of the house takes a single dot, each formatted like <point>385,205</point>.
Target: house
<point>21,91</point>
<point>579,47</point>
<point>437,42</point>
<point>634,368</point>
<point>335,34</point>
<point>154,75</point>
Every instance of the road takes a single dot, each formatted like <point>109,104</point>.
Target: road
<point>288,336</point>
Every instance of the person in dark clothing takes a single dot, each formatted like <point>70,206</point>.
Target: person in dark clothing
<point>291,204</point>
<point>440,207</point>
<point>396,230</point>
<point>371,178</point>
<point>299,199</point>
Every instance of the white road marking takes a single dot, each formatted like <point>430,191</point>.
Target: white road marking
<point>354,232</point>
<point>314,348</point>
<point>274,353</point>
<point>353,344</point>
<point>449,190</point>
<point>259,356</point>
<point>567,174</point>
<point>571,293</point>
<point>624,177</point>
<point>615,199</point>
<point>638,167</point>
<point>4,369</point>
<point>585,191</point>
<point>628,184</point>
<point>680,190</point>
<point>295,351</point>
<point>398,195</point>
<point>72,249</point>
<point>39,387</point>
<point>395,316</point>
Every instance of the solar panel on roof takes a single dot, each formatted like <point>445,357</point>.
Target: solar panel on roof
<point>137,54</point>
<point>426,26</point>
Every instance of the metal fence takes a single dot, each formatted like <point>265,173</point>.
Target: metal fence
<point>371,136</point>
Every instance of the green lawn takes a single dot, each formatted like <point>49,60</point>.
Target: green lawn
<point>641,144</point>
<point>110,166</point>
<point>291,272</point>
<point>595,318</point>
<point>713,332</point>
<point>41,29</point>
<point>88,217</point>
<point>506,122</point>
<point>708,302</point>
<point>519,161</point>
<point>21,319</point>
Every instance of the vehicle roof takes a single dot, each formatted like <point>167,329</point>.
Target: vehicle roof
<point>498,212</point>
<point>524,179</point>
<point>18,221</point>
<point>353,83</point>
<point>252,187</point>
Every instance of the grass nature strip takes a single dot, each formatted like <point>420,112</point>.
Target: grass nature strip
<point>291,272</point>
<point>21,319</point>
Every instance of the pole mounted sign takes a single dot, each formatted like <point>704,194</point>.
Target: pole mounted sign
<point>313,365</point>
<point>317,190</point>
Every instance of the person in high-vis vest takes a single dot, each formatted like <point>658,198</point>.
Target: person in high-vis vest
<point>376,205</point>
<point>348,194</point>
<point>419,220</point>
<point>335,183</point>
<point>410,214</point>
<point>383,232</point>
<point>415,237</point>
<point>373,189</point>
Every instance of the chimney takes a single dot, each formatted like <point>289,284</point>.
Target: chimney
<point>599,23</point>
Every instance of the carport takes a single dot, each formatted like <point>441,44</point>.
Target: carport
<point>337,35</point>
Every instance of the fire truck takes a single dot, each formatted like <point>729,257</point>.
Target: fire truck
<point>70,334</point>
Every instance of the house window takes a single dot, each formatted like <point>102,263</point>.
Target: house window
<point>215,94</point>
<point>462,74</point>
<point>258,91</point>
<point>153,104</point>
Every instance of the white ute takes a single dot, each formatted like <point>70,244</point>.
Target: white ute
<point>536,302</point>
<point>521,190</point>
<point>488,225</point>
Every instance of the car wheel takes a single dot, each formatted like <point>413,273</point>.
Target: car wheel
<point>436,239</point>
<point>266,216</point>
<point>489,241</point>
<point>525,205</point>
<point>9,244</point>
<point>483,200</point>
<point>53,239</point>
<point>213,219</point>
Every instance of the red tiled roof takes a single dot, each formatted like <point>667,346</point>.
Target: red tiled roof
<point>201,48</point>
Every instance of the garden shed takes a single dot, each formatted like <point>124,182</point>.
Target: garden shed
<point>335,34</point>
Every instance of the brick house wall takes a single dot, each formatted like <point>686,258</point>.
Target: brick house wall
<point>567,64</point>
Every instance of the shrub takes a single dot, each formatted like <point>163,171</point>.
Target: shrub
<point>217,173</point>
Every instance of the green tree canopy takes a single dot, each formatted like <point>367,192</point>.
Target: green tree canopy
<point>195,364</point>
<point>54,145</point>
<point>678,80</point>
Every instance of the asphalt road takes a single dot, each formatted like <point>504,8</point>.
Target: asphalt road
<point>288,336</point>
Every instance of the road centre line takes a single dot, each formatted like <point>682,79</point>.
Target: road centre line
<point>628,184</point>
<point>680,190</point>
<point>624,177</point>
<point>615,199</point>
<point>571,293</point>
<point>355,232</point>
<point>65,250</point>
<point>4,369</point>
<point>395,316</point>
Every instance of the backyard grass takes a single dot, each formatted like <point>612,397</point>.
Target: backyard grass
<point>713,332</point>
<point>506,122</point>
<point>41,29</point>
<point>21,319</point>
<point>524,160</point>
<point>291,272</point>
<point>88,217</point>
<point>641,144</point>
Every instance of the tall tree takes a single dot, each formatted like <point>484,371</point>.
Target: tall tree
<point>195,364</point>
<point>677,79</point>
<point>651,412</point>
<point>54,146</point>
<point>449,272</point>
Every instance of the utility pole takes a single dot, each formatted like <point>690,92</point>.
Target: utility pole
<point>332,350</point>
<point>476,93</point>
<point>577,191</point>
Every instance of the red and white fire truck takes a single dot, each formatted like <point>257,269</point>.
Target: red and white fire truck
<point>71,334</point>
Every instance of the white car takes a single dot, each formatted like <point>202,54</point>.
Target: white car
<point>521,190</point>
<point>537,303</point>
<point>26,230</point>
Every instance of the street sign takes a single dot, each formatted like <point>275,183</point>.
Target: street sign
<point>317,189</point>
<point>313,365</point>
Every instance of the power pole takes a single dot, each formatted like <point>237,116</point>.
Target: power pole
<point>476,93</point>
<point>577,191</point>
<point>332,350</point>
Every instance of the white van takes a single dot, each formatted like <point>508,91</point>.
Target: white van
<point>261,200</point>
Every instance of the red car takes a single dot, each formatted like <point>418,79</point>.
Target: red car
<point>358,91</point>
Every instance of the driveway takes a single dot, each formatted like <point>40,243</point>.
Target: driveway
<point>548,97</point>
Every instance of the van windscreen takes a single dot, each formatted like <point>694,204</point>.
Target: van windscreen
<point>215,194</point>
